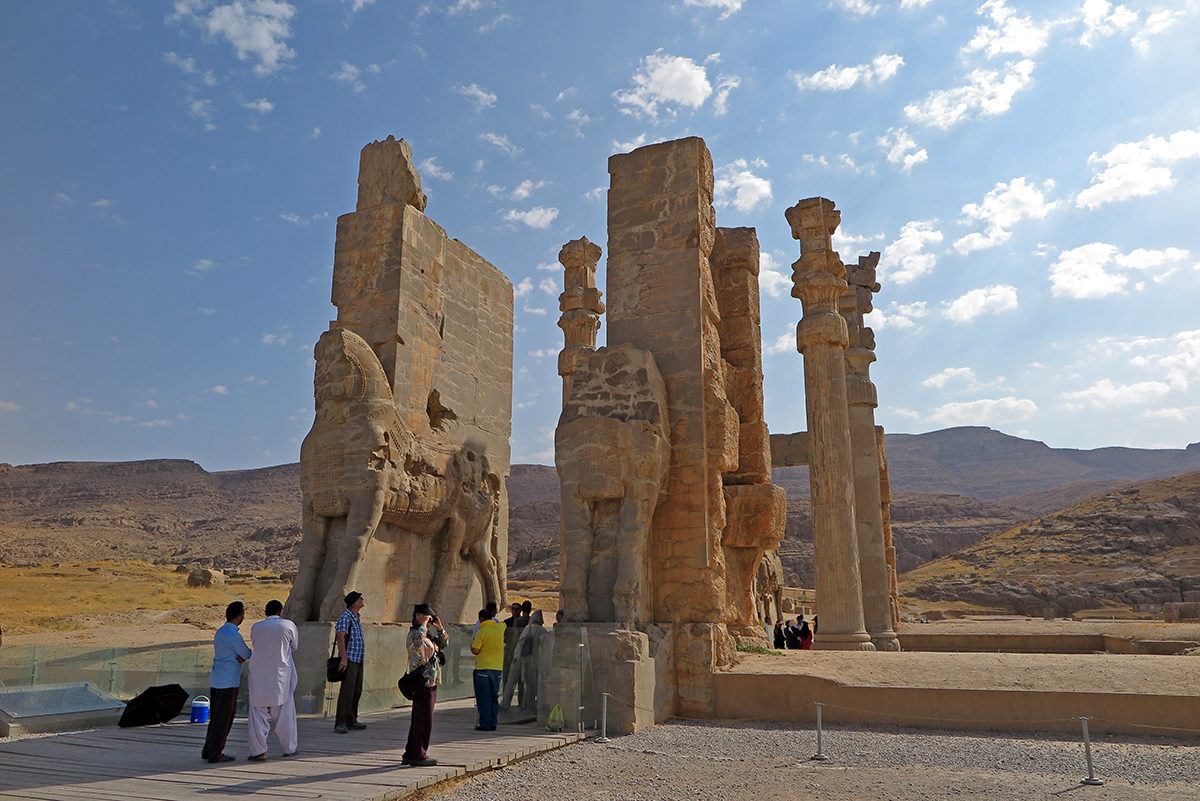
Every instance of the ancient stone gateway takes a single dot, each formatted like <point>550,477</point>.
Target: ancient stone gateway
<point>403,471</point>
<point>662,449</point>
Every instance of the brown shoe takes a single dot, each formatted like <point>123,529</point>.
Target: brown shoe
<point>259,757</point>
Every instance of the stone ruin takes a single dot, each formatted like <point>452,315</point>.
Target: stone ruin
<point>670,522</point>
<point>403,473</point>
<point>854,558</point>
<point>662,449</point>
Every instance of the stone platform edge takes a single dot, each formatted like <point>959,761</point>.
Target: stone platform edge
<point>783,698</point>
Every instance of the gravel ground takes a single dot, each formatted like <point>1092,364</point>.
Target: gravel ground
<point>688,761</point>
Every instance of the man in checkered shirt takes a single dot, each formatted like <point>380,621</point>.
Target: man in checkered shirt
<point>349,637</point>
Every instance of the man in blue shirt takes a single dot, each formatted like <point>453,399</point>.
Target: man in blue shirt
<point>229,652</point>
<point>349,638</point>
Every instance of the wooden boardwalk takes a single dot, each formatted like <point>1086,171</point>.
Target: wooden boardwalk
<point>162,763</point>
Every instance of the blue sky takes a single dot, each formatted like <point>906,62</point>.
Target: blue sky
<point>171,174</point>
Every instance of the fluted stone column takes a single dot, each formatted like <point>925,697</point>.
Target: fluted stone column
<point>868,511</point>
<point>885,504</point>
<point>822,338</point>
<point>580,305</point>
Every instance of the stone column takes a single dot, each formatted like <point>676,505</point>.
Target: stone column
<point>885,503</point>
<point>822,338</point>
<point>580,305</point>
<point>868,512</point>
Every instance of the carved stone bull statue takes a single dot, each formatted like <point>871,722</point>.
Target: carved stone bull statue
<point>361,466</point>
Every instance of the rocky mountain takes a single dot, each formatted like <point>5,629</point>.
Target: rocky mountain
<point>950,489</point>
<point>1136,545</point>
<point>164,510</point>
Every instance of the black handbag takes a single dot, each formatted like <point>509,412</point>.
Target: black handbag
<point>412,682</point>
<point>334,672</point>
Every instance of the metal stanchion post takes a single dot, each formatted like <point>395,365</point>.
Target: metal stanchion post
<point>603,738</point>
<point>580,726</point>
<point>819,756</point>
<point>1087,750</point>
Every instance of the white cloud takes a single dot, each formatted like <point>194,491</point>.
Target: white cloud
<point>907,4</point>
<point>986,93</point>
<point>632,144</point>
<point>536,217</point>
<point>496,140</point>
<point>262,105</point>
<point>784,343</point>
<point>481,97</point>
<point>977,302</point>
<point>1095,270</point>
<point>1008,33</point>
<point>9,406</point>
<point>1105,394</point>
<point>1002,208</point>
<point>860,7</point>
<point>1100,19</point>
<point>595,193</point>
<point>725,85</point>
<point>523,287</point>
<point>939,380</point>
<point>201,109</point>
<point>534,310</point>
<point>1156,22</point>
<point>906,260</point>
<point>985,411</point>
<point>201,266</point>
<point>844,242</point>
<point>296,219</point>
<point>277,339</point>
<point>836,78</point>
<point>736,185</point>
<point>771,279</point>
<point>1182,363</point>
<point>902,149</point>
<point>257,29</point>
<point>897,315</point>
<point>188,65</point>
<point>665,81</point>
<point>550,267</point>
<point>219,389</point>
<point>728,7</point>
<point>359,5</point>
<point>1137,169</point>
<point>525,189</point>
<point>549,286</point>
<point>348,74</point>
<point>433,169</point>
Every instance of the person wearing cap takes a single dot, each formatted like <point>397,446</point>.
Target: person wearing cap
<point>426,639</point>
<point>229,652</point>
<point>351,648</point>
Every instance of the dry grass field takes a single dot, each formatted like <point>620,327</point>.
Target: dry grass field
<point>66,597</point>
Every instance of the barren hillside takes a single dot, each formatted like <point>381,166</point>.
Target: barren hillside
<point>1137,545</point>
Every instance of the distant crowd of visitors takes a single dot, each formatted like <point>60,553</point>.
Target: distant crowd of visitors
<point>506,666</point>
<point>790,635</point>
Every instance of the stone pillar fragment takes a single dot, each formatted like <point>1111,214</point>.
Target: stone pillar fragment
<point>755,509</point>
<point>661,230</point>
<point>862,397</point>
<point>889,548</point>
<point>580,305</point>
<point>822,338</point>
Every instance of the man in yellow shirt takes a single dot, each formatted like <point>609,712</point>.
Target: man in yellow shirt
<point>488,647</point>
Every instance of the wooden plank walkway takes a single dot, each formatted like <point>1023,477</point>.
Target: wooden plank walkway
<point>162,763</point>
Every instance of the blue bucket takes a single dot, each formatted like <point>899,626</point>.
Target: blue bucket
<point>200,709</point>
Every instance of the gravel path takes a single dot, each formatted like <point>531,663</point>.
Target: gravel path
<point>725,761</point>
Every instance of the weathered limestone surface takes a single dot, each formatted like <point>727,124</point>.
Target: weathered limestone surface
<point>683,316</point>
<point>889,548</point>
<point>403,473</point>
<point>822,337</point>
<point>868,510</point>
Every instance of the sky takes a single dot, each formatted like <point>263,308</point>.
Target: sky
<point>171,174</point>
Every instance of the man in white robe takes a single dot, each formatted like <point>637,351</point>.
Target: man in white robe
<point>272,680</point>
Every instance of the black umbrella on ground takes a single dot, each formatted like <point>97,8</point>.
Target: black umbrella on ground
<point>154,705</point>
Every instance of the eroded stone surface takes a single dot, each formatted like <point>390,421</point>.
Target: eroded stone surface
<point>403,471</point>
